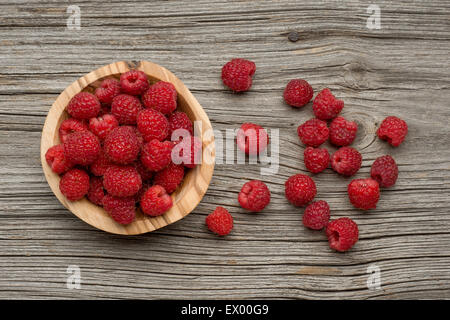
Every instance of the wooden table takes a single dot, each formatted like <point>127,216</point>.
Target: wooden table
<point>401,69</point>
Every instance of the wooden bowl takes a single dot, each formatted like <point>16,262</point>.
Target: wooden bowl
<point>195,183</point>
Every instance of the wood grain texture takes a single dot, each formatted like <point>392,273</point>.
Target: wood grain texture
<point>401,69</point>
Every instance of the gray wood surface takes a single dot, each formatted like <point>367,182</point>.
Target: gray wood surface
<point>402,69</point>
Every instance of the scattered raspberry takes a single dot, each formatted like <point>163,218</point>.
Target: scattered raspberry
<point>126,108</point>
<point>161,96</point>
<point>143,171</point>
<point>122,181</point>
<point>155,201</point>
<point>188,152</point>
<point>384,171</point>
<point>70,126</point>
<point>346,161</point>
<point>254,196</point>
<point>170,177</point>
<point>237,74</point>
<point>316,215</point>
<point>342,131</point>
<point>122,145</point>
<point>252,139</point>
<point>326,106</point>
<point>342,234</point>
<point>122,210</point>
<point>364,193</point>
<point>99,166</point>
<point>74,184</point>
<point>57,160</point>
<point>300,189</point>
<point>96,192</point>
<point>220,221</point>
<point>298,92</point>
<point>316,159</point>
<point>103,125</point>
<point>180,120</point>
<point>313,132</point>
<point>108,90</point>
<point>152,124</point>
<point>156,155</point>
<point>394,130</point>
<point>82,147</point>
<point>134,82</point>
<point>83,105</point>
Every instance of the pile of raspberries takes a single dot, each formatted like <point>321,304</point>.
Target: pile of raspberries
<point>300,189</point>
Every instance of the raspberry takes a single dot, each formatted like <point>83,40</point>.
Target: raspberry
<point>342,234</point>
<point>134,82</point>
<point>122,145</point>
<point>316,215</point>
<point>180,120</point>
<point>326,106</point>
<point>394,130</point>
<point>298,92</point>
<point>161,96</point>
<point>342,131</point>
<point>99,166</point>
<point>188,152</point>
<point>103,125</point>
<point>57,160</point>
<point>220,221</point>
<point>346,161</point>
<point>364,193</point>
<point>152,124</point>
<point>252,139</point>
<point>237,74</point>
<point>74,184</point>
<point>143,171</point>
<point>254,196</point>
<point>122,210</point>
<point>156,155</point>
<point>316,159</point>
<point>96,192</point>
<point>170,177</point>
<point>126,108</point>
<point>109,88</point>
<point>122,181</point>
<point>300,189</point>
<point>384,171</point>
<point>82,148</point>
<point>155,201</point>
<point>313,132</point>
<point>83,105</point>
<point>69,126</point>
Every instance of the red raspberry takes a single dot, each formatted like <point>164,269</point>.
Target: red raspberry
<point>220,221</point>
<point>298,92</point>
<point>342,234</point>
<point>188,152</point>
<point>74,184</point>
<point>342,131</point>
<point>69,126</point>
<point>161,96</point>
<point>170,177</point>
<point>394,130</point>
<point>346,161</point>
<point>316,215</point>
<point>364,193</point>
<point>96,192</point>
<point>384,171</point>
<point>152,124</point>
<point>122,210</point>
<point>57,160</point>
<point>313,132</point>
<point>126,108</point>
<point>82,148</point>
<point>326,106</point>
<point>122,181</point>
<point>155,201</point>
<point>254,196</point>
<point>99,166</point>
<point>108,90</point>
<point>103,125</point>
<point>316,159</point>
<point>300,189</point>
<point>122,145</point>
<point>252,139</point>
<point>237,74</point>
<point>156,155</point>
<point>83,105</point>
<point>144,188</point>
<point>143,171</point>
<point>134,82</point>
<point>180,120</point>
